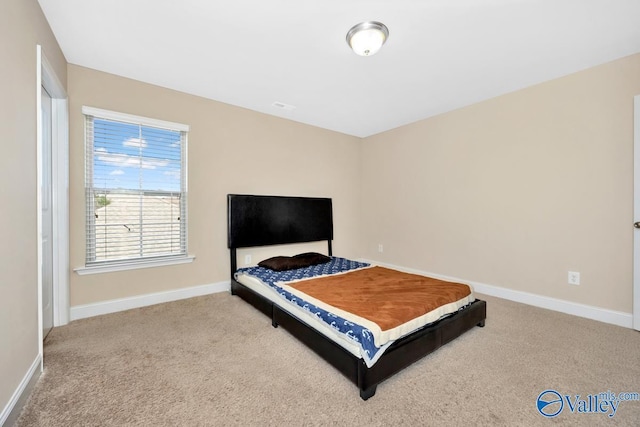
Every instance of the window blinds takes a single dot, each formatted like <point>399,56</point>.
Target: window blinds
<point>136,193</point>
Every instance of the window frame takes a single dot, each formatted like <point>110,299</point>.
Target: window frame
<point>142,262</point>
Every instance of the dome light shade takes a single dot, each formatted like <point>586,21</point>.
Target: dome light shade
<point>367,38</point>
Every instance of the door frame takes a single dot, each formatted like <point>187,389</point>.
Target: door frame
<point>46,186</point>
<point>47,78</point>
<point>636,212</point>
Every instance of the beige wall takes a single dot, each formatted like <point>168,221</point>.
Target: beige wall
<point>231,150</point>
<point>22,27</point>
<point>515,191</point>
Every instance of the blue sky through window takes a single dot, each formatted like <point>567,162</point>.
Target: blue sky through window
<point>134,157</point>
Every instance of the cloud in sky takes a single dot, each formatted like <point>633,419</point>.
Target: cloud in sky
<point>117,172</point>
<point>135,142</point>
<point>126,161</point>
<point>175,174</point>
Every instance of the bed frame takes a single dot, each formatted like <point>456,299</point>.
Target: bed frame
<point>274,220</point>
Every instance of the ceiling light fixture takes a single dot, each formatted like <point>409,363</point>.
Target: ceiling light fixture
<point>367,38</point>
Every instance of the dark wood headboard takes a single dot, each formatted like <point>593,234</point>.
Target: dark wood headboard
<point>276,220</point>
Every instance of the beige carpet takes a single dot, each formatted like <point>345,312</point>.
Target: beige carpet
<point>216,361</point>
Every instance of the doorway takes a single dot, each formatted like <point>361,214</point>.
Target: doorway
<point>52,142</point>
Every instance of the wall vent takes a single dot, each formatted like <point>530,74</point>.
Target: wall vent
<point>283,106</point>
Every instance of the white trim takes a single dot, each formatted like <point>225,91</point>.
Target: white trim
<point>130,118</point>
<point>12,410</point>
<point>636,212</point>
<point>133,265</point>
<point>576,309</point>
<point>60,171</point>
<point>47,78</point>
<point>39,83</point>
<point>50,80</point>
<point>116,305</point>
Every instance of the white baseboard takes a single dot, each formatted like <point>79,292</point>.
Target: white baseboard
<point>582,310</point>
<point>113,306</point>
<point>12,410</point>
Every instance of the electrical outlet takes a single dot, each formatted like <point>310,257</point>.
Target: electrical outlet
<point>247,260</point>
<point>380,248</point>
<point>573,278</point>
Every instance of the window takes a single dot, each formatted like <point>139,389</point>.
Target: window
<point>136,189</point>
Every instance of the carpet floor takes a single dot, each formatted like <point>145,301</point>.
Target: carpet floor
<point>216,361</point>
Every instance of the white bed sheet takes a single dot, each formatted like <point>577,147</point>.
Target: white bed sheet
<point>308,318</point>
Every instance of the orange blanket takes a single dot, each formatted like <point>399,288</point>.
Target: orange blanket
<point>389,298</point>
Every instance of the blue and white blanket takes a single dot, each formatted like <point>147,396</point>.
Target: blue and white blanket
<point>353,332</point>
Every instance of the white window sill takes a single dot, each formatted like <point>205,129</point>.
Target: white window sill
<point>134,265</point>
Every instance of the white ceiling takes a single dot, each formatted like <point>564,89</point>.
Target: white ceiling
<point>440,55</point>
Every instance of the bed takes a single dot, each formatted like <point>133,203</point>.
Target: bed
<point>276,220</point>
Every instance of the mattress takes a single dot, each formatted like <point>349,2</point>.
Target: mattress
<point>356,330</point>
